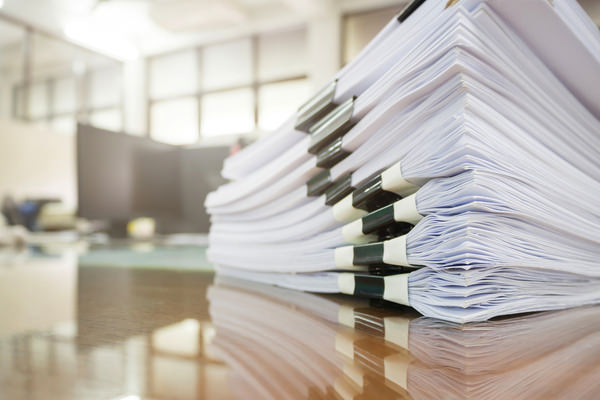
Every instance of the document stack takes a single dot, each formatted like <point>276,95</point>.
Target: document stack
<point>453,166</point>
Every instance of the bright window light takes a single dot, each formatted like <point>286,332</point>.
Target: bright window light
<point>226,113</point>
<point>175,121</point>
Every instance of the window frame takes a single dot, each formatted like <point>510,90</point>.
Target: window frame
<point>198,93</point>
<point>21,90</point>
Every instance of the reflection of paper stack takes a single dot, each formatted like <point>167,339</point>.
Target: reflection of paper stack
<point>275,340</point>
<point>295,339</point>
<point>267,345</point>
<point>461,119</point>
<point>545,356</point>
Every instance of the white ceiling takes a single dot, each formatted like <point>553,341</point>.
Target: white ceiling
<point>129,28</point>
<point>10,34</point>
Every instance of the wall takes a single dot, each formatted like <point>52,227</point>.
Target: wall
<point>36,162</point>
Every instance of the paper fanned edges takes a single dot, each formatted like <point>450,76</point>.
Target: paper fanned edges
<point>333,125</point>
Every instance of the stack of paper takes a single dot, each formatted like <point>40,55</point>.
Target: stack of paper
<point>452,166</point>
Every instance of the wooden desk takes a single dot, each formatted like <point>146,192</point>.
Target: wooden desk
<point>70,331</point>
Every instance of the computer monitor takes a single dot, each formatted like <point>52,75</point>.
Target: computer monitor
<point>120,177</point>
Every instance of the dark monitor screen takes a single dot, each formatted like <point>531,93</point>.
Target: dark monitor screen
<point>120,177</point>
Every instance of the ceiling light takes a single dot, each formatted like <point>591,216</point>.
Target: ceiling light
<point>193,15</point>
<point>111,28</point>
<point>98,38</point>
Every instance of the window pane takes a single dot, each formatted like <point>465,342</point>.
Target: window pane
<point>11,69</point>
<point>19,93</point>
<point>359,29</point>
<point>282,54</point>
<point>175,121</point>
<point>104,88</point>
<point>226,65</point>
<point>173,74</point>
<point>228,112</point>
<point>64,95</point>
<point>51,58</point>
<point>107,119</point>
<point>38,100</point>
<point>277,101</point>
<point>65,124</point>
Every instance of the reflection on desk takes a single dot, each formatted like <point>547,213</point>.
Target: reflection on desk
<point>72,330</point>
<point>311,346</point>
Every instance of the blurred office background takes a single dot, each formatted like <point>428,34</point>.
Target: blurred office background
<point>119,109</point>
<point>114,110</point>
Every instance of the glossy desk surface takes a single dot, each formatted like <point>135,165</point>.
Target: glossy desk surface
<point>81,327</point>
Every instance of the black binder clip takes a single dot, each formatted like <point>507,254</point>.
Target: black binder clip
<point>369,286</point>
<point>382,223</point>
<point>332,154</point>
<point>332,126</point>
<point>409,9</point>
<point>367,254</point>
<point>317,185</point>
<point>338,190</point>
<point>370,195</point>
<point>316,107</point>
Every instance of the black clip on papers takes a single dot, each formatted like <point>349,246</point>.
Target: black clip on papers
<point>377,219</point>
<point>332,126</point>
<point>385,270</point>
<point>409,9</point>
<point>317,185</point>
<point>369,286</point>
<point>371,196</point>
<point>367,254</point>
<point>338,190</point>
<point>373,254</point>
<point>382,222</point>
<point>332,154</point>
<point>373,286</point>
<point>316,107</point>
